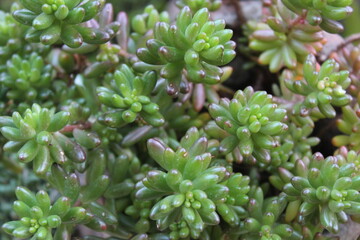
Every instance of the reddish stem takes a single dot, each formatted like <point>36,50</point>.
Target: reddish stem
<point>70,128</point>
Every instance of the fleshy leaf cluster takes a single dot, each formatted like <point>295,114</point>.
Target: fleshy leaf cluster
<point>193,193</point>
<point>323,13</point>
<point>251,121</point>
<point>194,44</point>
<point>324,88</point>
<point>349,126</point>
<point>326,187</point>
<point>283,39</point>
<point>131,95</point>
<point>35,137</point>
<point>261,222</point>
<point>38,216</point>
<point>27,79</point>
<point>52,21</point>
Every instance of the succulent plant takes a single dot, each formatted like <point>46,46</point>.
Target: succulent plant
<point>261,222</point>
<point>192,194</point>
<point>108,52</point>
<point>348,61</point>
<point>38,217</point>
<point>11,33</point>
<point>54,20</point>
<point>35,137</point>
<point>251,120</point>
<point>139,125</point>
<point>345,156</point>
<point>349,126</point>
<point>283,39</point>
<point>12,40</point>
<point>325,14</point>
<point>131,95</point>
<point>27,79</point>
<point>143,24</point>
<point>295,144</point>
<point>324,88</point>
<point>194,44</point>
<point>107,135</point>
<point>325,187</point>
